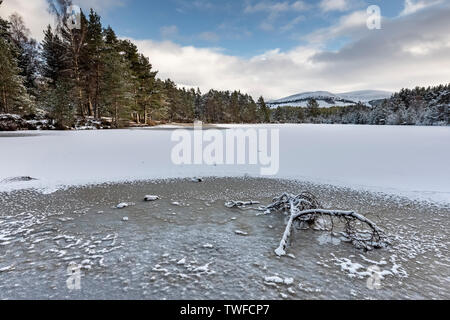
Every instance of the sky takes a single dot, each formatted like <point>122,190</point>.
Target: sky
<point>277,48</point>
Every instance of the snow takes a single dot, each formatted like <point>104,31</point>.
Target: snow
<point>323,98</point>
<point>306,95</point>
<point>409,161</point>
<point>304,104</point>
<point>274,279</point>
<point>203,269</point>
<point>356,270</point>
<point>151,198</point>
<point>7,269</point>
<point>366,95</point>
<point>279,280</point>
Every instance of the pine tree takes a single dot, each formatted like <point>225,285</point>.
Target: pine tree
<point>14,97</point>
<point>234,106</point>
<point>28,53</point>
<point>56,65</point>
<point>94,64</point>
<point>62,107</point>
<point>264,111</point>
<point>57,92</point>
<point>198,112</point>
<point>300,115</point>
<point>117,85</point>
<point>313,108</point>
<point>74,49</point>
<point>147,93</point>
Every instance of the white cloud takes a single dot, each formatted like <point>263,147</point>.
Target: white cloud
<point>37,16</point>
<point>412,6</point>
<point>334,5</point>
<point>275,7</point>
<point>353,24</point>
<point>274,10</point>
<point>34,12</point>
<point>396,56</point>
<point>210,68</point>
<point>410,50</point>
<point>99,5</point>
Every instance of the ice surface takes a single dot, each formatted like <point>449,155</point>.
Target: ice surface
<point>139,259</point>
<point>411,161</point>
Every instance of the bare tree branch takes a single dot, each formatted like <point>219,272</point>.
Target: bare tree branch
<point>306,209</point>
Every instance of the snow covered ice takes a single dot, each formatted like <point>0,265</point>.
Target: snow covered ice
<point>411,161</point>
<point>197,255</point>
<point>188,243</point>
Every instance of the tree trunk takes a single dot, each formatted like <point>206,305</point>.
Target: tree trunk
<point>97,90</point>
<point>145,116</point>
<point>91,109</point>
<point>5,101</point>
<point>116,113</point>
<point>76,47</point>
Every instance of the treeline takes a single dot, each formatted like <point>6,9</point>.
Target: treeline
<point>419,106</point>
<point>215,106</point>
<point>88,72</point>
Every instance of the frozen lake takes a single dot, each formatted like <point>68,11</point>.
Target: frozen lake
<point>191,250</point>
<point>186,245</point>
<point>411,161</point>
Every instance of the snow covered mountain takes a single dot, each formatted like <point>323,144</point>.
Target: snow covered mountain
<point>327,99</point>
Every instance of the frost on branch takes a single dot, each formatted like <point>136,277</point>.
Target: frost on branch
<point>240,204</point>
<point>304,211</point>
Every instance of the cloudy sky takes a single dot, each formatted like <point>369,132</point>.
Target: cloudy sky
<point>277,48</point>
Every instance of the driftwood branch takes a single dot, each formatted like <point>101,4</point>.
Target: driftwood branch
<point>307,211</point>
<point>240,204</point>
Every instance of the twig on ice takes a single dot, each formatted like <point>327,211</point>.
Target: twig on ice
<point>240,204</point>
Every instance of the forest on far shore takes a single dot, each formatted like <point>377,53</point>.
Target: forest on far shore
<point>420,106</point>
<point>87,77</point>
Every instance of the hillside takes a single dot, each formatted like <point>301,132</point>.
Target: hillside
<point>327,99</point>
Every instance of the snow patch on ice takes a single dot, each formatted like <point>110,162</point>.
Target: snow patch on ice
<point>122,205</point>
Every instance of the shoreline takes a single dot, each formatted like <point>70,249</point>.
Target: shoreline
<point>15,123</point>
<point>394,195</point>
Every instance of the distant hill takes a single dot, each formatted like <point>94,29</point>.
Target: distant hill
<point>327,99</point>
